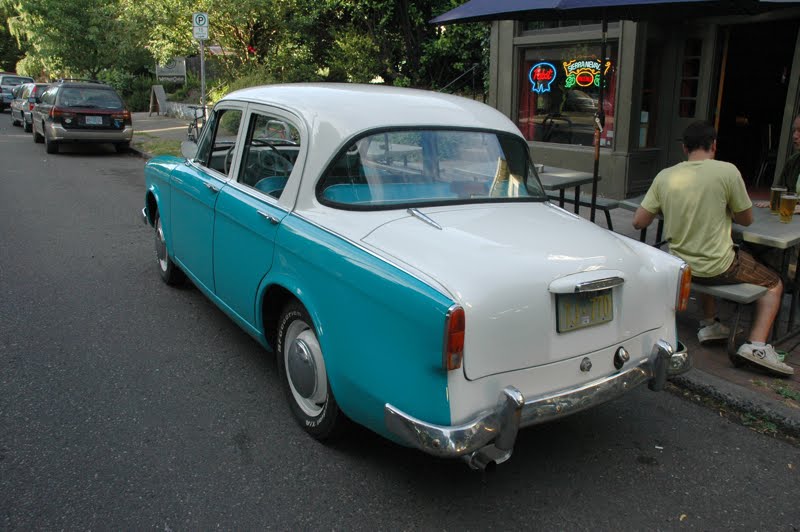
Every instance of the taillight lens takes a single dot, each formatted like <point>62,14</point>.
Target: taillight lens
<point>58,113</point>
<point>125,116</point>
<point>454,328</point>
<point>684,288</point>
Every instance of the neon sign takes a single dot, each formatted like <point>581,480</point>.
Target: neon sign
<point>542,76</point>
<point>584,72</point>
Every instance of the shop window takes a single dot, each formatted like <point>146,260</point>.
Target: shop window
<point>690,78</point>
<point>559,88</point>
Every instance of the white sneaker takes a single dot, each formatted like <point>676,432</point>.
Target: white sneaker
<point>715,331</point>
<point>764,356</point>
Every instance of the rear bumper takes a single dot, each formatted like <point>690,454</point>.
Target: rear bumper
<point>490,436</point>
<point>59,134</point>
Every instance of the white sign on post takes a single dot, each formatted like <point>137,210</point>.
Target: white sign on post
<point>200,26</point>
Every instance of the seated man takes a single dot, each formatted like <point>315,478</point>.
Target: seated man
<point>698,198</point>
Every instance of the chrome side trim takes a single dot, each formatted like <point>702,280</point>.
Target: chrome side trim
<point>490,435</point>
<point>600,284</point>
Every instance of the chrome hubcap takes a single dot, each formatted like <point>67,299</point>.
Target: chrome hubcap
<point>161,247</point>
<point>305,368</point>
<point>301,368</point>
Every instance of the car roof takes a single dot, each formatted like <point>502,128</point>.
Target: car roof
<point>353,108</point>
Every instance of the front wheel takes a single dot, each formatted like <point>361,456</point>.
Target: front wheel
<point>305,380</point>
<point>37,138</point>
<point>122,147</point>
<point>170,273</point>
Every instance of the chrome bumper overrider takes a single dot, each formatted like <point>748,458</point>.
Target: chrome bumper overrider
<point>144,217</point>
<point>490,436</point>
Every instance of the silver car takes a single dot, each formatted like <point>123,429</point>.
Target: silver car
<point>81,111</point>
<point>7,84</point>
<point>26,96</point>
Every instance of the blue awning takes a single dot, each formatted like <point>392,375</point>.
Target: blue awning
<point>484,10</point>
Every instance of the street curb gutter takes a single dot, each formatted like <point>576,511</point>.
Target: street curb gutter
<point>786,418</point>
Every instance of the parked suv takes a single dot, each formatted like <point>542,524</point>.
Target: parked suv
<point>7,84</point>
<point>25,98</point>
<point>81,111</point>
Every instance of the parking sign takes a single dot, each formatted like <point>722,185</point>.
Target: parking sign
<point>200,26</point>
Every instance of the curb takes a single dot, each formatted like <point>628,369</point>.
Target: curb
<point>787,419</point>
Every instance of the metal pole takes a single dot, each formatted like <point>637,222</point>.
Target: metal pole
<point>600,118</point>
<point>203,76</point>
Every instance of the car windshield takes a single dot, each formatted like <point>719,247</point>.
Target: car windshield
<point>423,167</point>
<point>89,97</point>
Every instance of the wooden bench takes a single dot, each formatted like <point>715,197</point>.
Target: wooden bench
<point>602,204</point>
<point>740,294</point>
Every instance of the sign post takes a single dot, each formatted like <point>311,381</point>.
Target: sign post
<point>200,32</point>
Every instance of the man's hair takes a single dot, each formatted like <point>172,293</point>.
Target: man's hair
<point>699,135</point>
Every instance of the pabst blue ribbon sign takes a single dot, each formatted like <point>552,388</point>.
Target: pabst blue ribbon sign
<point>584,72</point>
<point>542,76</point>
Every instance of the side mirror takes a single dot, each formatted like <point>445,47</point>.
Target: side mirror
<point>189,149</point>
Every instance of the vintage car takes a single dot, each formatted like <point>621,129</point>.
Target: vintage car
<point>396,250</point>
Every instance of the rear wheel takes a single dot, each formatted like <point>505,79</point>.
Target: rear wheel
<point>37,137</point>
<point>305,379</point>
<point>26,125</point>
<point>14,121</point>
<point>50,146</point>
<point>170,273</point>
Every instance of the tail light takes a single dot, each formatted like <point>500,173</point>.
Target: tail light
<point>684,287</point>
<point>125,116</point>
<point>58,113</point>
<point>31,105</point>
<point>454,328</point>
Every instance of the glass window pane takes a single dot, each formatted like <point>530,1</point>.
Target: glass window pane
<point>559,89</point>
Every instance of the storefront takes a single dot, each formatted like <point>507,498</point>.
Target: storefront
<point>740,72</point>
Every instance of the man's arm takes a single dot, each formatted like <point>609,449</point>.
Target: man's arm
<point>643,218</point>
<point>744,217</point>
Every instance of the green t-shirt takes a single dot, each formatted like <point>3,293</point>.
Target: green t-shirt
<point>697,199</point>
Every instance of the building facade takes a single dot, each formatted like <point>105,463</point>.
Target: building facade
<point>739,72</point>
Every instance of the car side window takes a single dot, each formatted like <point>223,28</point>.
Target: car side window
<point>217,144</point>
<point>270,150</point>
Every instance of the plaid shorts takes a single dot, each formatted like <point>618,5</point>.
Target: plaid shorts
<point>743,269</point>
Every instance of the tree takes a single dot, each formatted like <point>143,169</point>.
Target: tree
<point>79,37</point>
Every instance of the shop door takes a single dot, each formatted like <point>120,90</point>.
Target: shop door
<point>692,82</point>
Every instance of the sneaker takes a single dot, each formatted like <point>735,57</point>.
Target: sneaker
<point>715,331</point>
<point>765,356</point>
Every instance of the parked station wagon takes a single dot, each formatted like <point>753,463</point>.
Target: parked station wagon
<point>396,250</point>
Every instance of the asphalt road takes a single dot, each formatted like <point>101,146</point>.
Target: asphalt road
<point>126,404</point>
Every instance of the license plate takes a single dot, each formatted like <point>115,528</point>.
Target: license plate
<point>94,120</point>
<point>576,311</point>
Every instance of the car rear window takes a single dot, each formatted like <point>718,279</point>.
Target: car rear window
<point>14,80</point>
<point>89,97</point>
<point>388,169</point>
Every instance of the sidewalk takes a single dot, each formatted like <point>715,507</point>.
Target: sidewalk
<point>747,389</point>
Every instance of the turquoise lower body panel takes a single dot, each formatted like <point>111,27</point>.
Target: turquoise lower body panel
<point>381,329</point>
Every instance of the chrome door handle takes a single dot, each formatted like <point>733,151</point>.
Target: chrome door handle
<point>273,220</point>
<point>211,187</point>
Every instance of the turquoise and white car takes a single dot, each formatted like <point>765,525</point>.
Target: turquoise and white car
<point>396,250</point>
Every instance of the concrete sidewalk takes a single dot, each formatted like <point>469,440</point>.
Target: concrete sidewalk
<point>747,391</point>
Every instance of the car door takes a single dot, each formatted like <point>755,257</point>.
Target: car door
<point>249,210</point>
<point>195,188</point>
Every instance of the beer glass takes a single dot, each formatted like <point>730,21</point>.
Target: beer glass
<point>775,198</point>
<point>788,203</point>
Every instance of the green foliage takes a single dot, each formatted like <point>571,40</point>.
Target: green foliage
<point>251,41</point>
